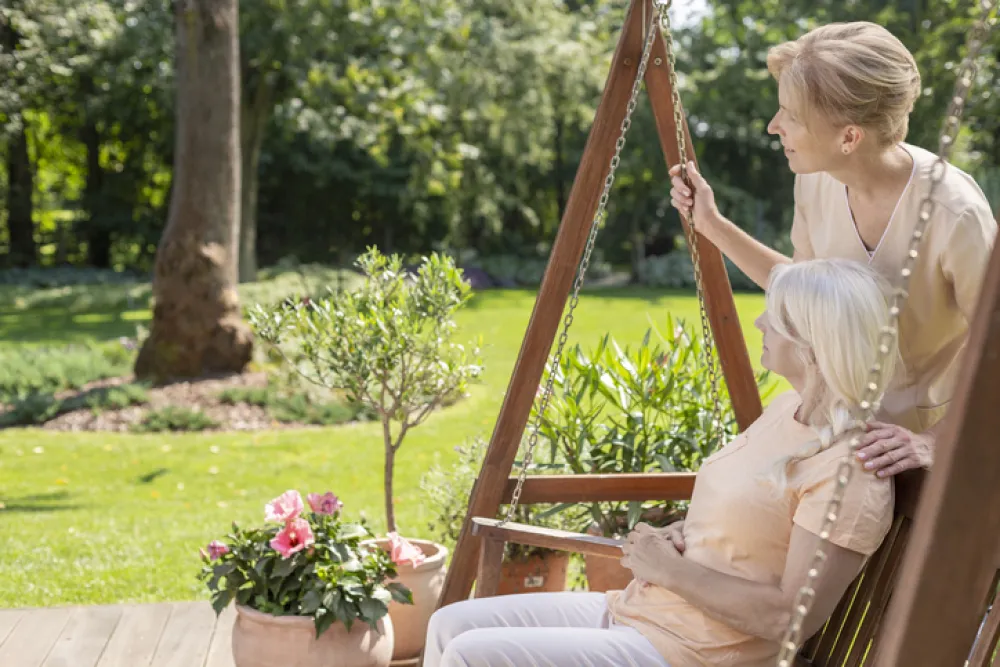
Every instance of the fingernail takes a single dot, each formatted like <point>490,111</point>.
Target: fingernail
<point>870,465</point>
<point>862,456</point>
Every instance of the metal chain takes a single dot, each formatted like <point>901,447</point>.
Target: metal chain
<point>791,642</point>
<point>581,271</point>
<point>708,345</point>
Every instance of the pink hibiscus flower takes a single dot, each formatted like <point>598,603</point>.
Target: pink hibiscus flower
<point>326,503</point>
<point>401,551</point>
<point>294,537</point>
<point>286,507</point>
<point>216,549</point>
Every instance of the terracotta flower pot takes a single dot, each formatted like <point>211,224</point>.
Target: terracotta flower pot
<point>541,572</point>
<point>606,574</point>
<point>263,640</point>
<point>409,621</point>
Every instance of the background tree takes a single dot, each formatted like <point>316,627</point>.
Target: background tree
<point>197,326</point>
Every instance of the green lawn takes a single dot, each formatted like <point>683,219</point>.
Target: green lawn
<point>103,518</point>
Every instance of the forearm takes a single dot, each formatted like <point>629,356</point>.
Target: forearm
<point>751,256</point>
<point>761,610</point>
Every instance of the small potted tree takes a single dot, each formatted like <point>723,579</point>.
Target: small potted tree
<point>309,590</point>
<point>388,345</point>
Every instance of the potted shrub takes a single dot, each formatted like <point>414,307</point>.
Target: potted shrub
<point>525,569</point>
<point>309,590</point>
<point>647,409</point>
<point>388,345</point>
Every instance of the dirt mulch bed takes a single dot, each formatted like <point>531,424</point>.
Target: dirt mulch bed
<point>202,394</point>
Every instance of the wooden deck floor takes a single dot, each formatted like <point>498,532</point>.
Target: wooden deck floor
<point>183,634</point>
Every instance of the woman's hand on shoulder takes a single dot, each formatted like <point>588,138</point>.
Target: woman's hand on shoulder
<point>888,449</point>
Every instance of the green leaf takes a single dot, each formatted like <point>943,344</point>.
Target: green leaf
<point>221,601</point>
<point>284,567</point>
<point>634,513</point>
<point>310,602</point>
<point>400,593</point>
<point>372,610</point>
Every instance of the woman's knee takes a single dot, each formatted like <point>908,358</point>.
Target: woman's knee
<point>445,625</point>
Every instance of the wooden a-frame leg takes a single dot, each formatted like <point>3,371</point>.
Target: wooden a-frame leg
<point>724,320</point>
<point>490,564</point>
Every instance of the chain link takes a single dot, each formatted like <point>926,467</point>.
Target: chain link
<point>791,642</point>
<point>650,34</point>
<point>708,346</point>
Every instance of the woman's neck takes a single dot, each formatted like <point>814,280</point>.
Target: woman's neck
<point>812,392</point>
<point>869,174</point>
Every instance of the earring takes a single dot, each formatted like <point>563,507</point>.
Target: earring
<point>846,150</point>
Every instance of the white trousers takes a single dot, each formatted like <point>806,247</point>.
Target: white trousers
<point>534,630</point>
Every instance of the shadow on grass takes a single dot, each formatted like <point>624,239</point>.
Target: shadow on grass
<point>37,503</point>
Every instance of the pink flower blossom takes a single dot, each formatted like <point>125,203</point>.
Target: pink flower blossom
<point>216,549</point>
<point>326,503</point>
<point>286,507</point>
<point>401,551</point>
<point>294,537</point>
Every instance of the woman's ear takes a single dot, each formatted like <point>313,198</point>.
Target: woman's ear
<point>851,139</point>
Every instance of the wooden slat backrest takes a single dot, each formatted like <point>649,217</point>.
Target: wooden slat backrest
<point>846,639</point>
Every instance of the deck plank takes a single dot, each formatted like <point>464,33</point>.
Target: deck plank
<point>134,641</point>
<point>30,642</point>
<point>187,635</point>
<point>84,637</point>
<point>9,619</point>
<point>220,654</point>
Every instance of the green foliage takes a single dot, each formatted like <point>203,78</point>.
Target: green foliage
<point>25,371</point>
<point>387,345</point>
<point>647,409</point>
<point>676,271</point>
<point>40,408</point>
<point>174,418</point>
<point>339,578</point>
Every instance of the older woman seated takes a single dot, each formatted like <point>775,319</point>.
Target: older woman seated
<point>718,588</point>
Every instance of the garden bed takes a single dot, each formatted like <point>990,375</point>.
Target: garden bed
<point>244,402</point>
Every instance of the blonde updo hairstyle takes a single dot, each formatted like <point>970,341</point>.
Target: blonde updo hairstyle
<point>834,311</point>
<point>851,74</point>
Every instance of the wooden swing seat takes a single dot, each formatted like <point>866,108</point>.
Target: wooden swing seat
<point>848,639</point>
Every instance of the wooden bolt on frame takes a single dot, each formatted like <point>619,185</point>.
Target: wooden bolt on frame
<point>567,250</point>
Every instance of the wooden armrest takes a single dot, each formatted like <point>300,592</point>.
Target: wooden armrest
<point>547,538</point>
<point>597,488</point>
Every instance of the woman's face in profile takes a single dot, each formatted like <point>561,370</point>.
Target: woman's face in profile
<point>810,147</point>
<point>779,354</point>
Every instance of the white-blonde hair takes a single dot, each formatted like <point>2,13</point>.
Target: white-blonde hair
<point>854,73</point>
<point>834,312</point>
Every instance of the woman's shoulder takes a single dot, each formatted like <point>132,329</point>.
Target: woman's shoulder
<point>956,195</point>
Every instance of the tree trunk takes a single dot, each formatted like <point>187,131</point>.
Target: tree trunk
<point>390,456</point>
<point>97,231</point>
<point>253,121</point>
<point>197,326</point>
<point>20,187</point>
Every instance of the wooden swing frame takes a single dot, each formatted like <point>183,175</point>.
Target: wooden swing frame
<point>492,488</point>
<point>941,557</point>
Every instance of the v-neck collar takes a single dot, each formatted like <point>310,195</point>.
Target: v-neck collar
<point>871,254</point>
